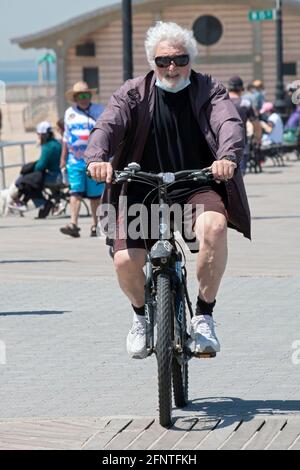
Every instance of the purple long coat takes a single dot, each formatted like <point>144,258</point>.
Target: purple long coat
<point>121,131</point>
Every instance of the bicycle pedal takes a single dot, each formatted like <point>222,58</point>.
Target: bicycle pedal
<point>205,355</point>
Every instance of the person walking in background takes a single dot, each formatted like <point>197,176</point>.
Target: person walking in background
<point>79,121</point>
<point>250,96</point>
<point>60,127</point>
<point>294,119</point>
<point>259,92</point>
<point>246,112</point>
<point>292,109</point>
<point>272,125</point>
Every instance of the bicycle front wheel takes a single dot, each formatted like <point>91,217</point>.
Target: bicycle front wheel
<point>164,349</point>
<point>180,360</point>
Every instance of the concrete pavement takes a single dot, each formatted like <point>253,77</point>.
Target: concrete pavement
<point>63,323</point>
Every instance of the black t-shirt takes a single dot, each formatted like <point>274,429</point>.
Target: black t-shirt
<point>175,142</point>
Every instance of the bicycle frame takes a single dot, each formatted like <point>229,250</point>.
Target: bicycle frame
<point>164,257</point>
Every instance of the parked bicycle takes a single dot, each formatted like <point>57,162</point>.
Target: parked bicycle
<point>58,201</point>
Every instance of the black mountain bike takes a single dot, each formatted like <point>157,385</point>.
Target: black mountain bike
<point>166,293</point>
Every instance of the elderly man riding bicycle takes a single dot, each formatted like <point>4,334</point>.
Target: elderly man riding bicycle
<point>169,120</point>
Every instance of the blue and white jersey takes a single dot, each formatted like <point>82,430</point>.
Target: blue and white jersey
<point>78,126</point>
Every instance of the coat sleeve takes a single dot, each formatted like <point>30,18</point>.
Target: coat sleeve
<point>226,125</point>
<point>110,129</point>
<point>43,161</point>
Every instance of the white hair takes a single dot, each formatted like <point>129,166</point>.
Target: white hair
<point>172,33</point>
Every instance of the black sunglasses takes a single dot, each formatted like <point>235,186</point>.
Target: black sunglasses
<point>166,61</point>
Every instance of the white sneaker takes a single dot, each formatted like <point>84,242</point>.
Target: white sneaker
<point>58,209</point>
<point>136,338</point>
<point>18,206</point>
<point>203,334</point>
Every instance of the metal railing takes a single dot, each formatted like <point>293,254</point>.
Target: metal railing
<point>3,166</point>
<point>22,93</point>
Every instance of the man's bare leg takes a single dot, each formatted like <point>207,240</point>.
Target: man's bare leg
<point>129,268</point>
<point>211,231</point>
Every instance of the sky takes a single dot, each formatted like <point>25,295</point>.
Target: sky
<point>23,17</point>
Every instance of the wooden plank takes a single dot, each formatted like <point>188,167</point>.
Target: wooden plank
<point>174,434</point>
<point>196,434</point>
<point>263,437</point>
<point>98,440</point>
<point>287,436</point>
<point>133,431</point>
<point>148,437</point>
<point>71,426</point>
<point>61,426</point>
<point>35,434</point>
<point>44,429</point>
<point>217,437</point>
<point>28,443</point>
<point>296,445</point>
<point>101,438</point>
<point>243,434</point>
<point>19,446</point>
<point>56,433</point>
<point>97,423</point>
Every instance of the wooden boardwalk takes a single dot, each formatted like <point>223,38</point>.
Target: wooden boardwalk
<point>260,432</point>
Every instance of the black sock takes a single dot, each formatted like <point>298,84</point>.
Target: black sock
<point>139,310</point>
<point>204,308</point>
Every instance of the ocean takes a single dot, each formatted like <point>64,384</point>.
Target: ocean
<point>23,72</point>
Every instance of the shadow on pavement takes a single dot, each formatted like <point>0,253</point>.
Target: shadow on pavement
<point>236,408</point>
<point>17,261</point>
<point>34,312</point>
<point>275,217</point>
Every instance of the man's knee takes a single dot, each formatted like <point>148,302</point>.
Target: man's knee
<point>211,227</point>
<point>126,261</point>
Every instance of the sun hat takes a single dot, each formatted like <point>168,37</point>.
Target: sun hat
<point>79,87</point>
<point>258,83</point>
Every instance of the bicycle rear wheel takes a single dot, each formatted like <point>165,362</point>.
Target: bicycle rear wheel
<point>180,382</point>
<point>164,349</point>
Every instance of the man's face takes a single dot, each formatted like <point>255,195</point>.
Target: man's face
<point>83,99</point>
<point>172,74</point>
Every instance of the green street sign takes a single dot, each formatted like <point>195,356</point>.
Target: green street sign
<point>262,15</point>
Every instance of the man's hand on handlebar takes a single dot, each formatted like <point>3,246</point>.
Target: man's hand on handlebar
<point>101,171</point>
<point>223,170</point>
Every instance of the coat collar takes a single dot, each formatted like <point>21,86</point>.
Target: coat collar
<point>200,90</point>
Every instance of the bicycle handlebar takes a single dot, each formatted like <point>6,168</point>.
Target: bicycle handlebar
<point>133,170</point>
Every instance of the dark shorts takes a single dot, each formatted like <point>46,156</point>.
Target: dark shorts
<point>202,201</point>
